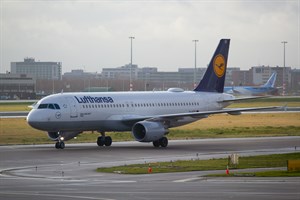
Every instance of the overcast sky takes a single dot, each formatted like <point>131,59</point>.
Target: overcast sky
<point>91,35</point>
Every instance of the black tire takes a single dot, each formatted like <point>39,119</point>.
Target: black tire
<point>156,143</point>
<point>108,141</point>
<point>57,145</point>
<point>163,142</point>
<point>62,145</point>
<point>100,141</point>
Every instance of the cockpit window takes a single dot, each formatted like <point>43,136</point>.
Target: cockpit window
<point>57,106</point>
<point>49,106</point>
<point>43,106</point>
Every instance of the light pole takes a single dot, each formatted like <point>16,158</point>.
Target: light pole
<point>283,71</point>
<point>195,63</point>
<point>130,82</point>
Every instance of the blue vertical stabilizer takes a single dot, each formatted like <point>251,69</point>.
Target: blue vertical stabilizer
<point>214,77</point>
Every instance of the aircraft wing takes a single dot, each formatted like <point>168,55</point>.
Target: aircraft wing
<point>203,114</point>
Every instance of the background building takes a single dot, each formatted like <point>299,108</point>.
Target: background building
<point>122,72</point>
<point>44,78</point>
<point>295,82</point>
<point>240,78</point>
<point>261,74</point>
<point>80,74</point>
<point>38,70</point>
<point>16,86</point>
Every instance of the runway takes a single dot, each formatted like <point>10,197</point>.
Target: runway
<point>43,172</point>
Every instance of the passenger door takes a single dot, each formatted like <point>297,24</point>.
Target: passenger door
<point>73,107</point>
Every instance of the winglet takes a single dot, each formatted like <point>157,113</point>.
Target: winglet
<point>214,77</point>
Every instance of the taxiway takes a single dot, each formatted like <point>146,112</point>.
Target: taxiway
<point>43,172</point>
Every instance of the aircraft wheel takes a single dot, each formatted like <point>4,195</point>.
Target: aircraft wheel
<point>62,145</point>
<point>108,141</point>
<point>59,145</point>
<point>163,142</point>
<point>100,141</point>
<point>156,143</point>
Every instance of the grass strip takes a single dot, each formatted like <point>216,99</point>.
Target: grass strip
<point>278,173</point>
<point>263,161</point>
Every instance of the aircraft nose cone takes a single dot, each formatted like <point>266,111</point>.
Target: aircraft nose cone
<point>30,119</point>
<point>33,119</point>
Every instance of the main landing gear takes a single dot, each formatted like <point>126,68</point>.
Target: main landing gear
<point>162,142</point>
<point>104,140</point>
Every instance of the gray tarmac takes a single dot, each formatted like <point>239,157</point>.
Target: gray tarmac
<point>43,172</point>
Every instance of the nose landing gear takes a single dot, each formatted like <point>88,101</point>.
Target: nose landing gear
<point>60,145</point>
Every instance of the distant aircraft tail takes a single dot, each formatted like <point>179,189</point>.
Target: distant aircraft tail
<point>214,77</point>
<point>271,81</point>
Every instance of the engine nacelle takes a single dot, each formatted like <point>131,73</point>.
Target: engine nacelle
<point>146,131</point>
<point>63,135</point>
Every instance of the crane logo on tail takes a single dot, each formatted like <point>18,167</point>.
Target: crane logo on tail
<point>219,65</point>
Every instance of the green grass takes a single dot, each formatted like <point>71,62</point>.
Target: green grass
<point>263,131</point>
<point>265,161</point>
<point>17,131</point>
<point>15,106</point>
<point>279,173</point>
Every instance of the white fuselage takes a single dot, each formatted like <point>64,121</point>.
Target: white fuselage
<point>113,111</point>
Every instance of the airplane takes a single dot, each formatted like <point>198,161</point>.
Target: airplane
<point>148,115</point>
<point>266,89</point>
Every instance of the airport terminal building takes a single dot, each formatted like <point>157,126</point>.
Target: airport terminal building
<point>38,70</point>
<point>16,86</point>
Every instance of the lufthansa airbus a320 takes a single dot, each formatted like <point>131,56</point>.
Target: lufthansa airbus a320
<point>148,115</point>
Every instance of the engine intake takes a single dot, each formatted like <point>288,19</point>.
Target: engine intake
<point>146,131</point>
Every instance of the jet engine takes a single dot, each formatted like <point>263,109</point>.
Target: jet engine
<point>147,131</point>
<point>55,136</point>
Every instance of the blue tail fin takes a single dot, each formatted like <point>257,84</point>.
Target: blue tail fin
<point>214,77</point>
<point>271,81</point>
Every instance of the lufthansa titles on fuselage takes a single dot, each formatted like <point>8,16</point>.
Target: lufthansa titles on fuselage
<point>89,99</point>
